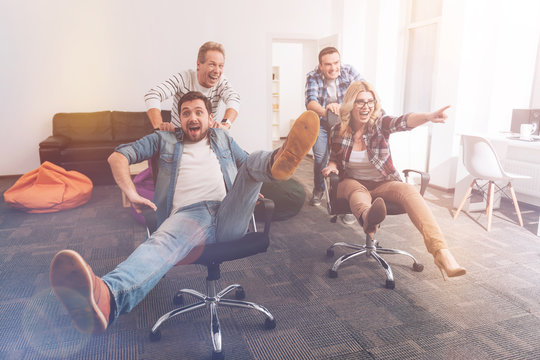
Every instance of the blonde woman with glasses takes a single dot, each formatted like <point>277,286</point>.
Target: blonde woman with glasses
<point>360,154</point>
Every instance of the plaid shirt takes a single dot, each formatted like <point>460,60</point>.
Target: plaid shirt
<point>316,84</point>
<point>377,145</point>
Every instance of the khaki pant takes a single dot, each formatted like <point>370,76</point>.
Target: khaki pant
<point>360,194</point>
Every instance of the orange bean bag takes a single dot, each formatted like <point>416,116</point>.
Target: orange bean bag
<point>49,188</point>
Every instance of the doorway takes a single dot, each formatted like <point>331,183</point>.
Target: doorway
<point>292,59</point>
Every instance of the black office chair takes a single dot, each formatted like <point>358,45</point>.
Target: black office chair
<point>371,247</point>
<point>211,256</point>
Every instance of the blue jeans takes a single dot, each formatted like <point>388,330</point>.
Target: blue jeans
<point>320,158</point>
<point>196,224</point>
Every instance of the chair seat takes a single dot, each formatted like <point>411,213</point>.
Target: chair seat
<point>252,243</point>
<point>513,176</point>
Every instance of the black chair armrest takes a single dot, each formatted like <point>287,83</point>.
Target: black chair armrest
<point>332,181</point>
<point>57,141</point>
<point>150,219</point>
<point>424,179</point>
<point>267,208</point>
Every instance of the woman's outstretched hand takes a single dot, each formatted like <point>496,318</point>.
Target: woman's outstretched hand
<point>439,116</point>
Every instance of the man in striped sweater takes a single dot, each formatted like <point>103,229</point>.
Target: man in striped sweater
<point>208,79</point>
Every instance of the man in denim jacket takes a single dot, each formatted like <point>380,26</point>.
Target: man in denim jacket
<point>206,191</point>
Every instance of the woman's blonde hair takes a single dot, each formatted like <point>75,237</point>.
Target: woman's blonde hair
<point>348,103</point>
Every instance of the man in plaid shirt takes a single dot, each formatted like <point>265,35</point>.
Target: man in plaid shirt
<point>325,88</point>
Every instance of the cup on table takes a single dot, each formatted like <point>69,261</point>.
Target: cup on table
<point>526,131</point>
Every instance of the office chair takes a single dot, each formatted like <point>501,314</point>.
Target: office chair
<point>371,247</point>
<point>482,162</point>
<point>211,256</point>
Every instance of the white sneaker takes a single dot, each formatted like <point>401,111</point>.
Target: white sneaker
<point>348,219</point>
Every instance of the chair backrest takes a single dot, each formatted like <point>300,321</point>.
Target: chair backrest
<point>480,159</point>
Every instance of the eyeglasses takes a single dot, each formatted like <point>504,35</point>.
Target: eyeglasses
<point>361,103</point>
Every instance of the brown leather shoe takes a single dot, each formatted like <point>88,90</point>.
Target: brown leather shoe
<point>301,138</point>
<point>85,296</point>
<point>373,216</point>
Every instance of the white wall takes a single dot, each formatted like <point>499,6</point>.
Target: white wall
<point>535,96</point>
<point>486,62</point>
<point>68,56</point>
<point>289,57</point>
<point>488,54</point>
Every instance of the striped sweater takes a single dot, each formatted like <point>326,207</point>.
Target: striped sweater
<point>179,84</point>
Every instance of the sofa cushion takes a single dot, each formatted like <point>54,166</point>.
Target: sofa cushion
<point>129,126</point>
<point>88,151</point>
<point>93,126</point>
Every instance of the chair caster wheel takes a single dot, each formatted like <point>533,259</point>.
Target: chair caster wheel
<point>390,284</point>
<point>217,355</point>
<point>330,252</point>
<point>332,274</point>
<point>155,336</point>
<point>269,323</point>
<point>418,267</point>
<point>178,299</point>
<point>240,293</point>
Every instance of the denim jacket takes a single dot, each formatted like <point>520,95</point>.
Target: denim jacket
<point>169,146</point>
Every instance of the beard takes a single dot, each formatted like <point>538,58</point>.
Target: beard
<point>195,131</point>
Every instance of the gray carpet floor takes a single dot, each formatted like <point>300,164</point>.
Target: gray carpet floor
<point>493,312</point>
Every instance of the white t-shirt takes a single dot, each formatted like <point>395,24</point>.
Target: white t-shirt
<point>199,177</point>
<point>359,167</point>
<point>331,89</point>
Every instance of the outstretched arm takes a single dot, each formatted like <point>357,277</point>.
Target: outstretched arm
<point>120,169</point>
<point>417,119</point>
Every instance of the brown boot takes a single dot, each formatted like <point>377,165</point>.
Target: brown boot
<point>85,296</point>
<point>301,138</point>
<point>373,216</point>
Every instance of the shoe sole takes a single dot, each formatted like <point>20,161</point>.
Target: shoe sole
<point>73,283</point>
<point>377,213</point>
<point>302,137</point>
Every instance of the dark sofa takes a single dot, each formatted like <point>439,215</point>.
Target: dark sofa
<point>83,141</point>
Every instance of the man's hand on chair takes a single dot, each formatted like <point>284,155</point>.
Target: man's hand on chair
<point>166,126</point>
<point>330,169</point>
<point>140,202</point>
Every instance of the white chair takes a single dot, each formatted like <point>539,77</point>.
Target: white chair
<point>482,163</point>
